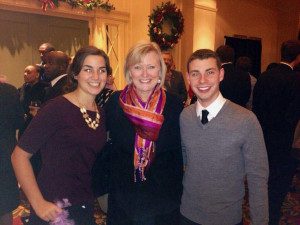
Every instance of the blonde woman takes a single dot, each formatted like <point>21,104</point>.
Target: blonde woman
<point>146,159</point>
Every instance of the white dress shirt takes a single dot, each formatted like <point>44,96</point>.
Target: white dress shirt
<point>54,81</point>
<point>213,109</point>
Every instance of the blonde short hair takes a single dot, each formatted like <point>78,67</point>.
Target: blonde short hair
<point>135,55</point>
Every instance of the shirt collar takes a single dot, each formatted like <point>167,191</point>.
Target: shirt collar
<point>213,109</point>
<point>54,81</point>
<point>225,63</point>
<point>287,65</point>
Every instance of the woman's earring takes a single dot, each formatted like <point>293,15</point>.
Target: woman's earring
<point>159,81</point>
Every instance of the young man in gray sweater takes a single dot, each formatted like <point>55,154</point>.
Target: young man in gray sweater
<point>222,143</point>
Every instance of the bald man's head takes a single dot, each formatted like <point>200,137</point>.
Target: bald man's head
<point>56,64</point>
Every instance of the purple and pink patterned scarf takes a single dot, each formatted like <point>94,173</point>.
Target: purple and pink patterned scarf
<point>147,119</point>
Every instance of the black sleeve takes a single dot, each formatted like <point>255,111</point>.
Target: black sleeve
<point>244,88</point>
<point>18,112</point>
<point>182,88</point>
<point>257,102</point>
<point>101,168</point>
<point>100,171</point>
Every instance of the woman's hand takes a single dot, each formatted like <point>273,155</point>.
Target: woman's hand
<point>21,162</point>
<point>47,211</point>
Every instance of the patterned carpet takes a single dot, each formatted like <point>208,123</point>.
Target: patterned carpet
<point>290,208</point>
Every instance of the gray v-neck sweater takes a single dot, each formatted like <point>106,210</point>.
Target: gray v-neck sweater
<point>218,156</point>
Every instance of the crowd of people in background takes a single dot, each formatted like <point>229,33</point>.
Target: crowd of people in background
<point>164,153</point>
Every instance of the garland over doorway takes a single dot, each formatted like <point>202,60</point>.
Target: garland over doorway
<point>86,4</point>
<point>166,25</point>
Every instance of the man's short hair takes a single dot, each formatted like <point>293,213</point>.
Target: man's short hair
<point>59,58</point>
<point>37,67</point>
<point>290,50</point>
<point>48,47</point>
<point>204,54</point>
<point>168,52</point>
<point>226,53</point>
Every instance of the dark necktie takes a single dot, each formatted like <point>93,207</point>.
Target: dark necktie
<point>204,119</point>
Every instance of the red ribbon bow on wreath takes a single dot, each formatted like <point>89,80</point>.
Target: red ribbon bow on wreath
<point>46,3</point>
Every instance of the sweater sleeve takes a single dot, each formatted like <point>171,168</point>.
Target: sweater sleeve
<point>41,128</point>
<point>257,171</point>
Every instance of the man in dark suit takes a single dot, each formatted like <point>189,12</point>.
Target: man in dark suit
<point>236,85</point>
<point>277,108</point>
<point>56,65</point>
<point>174,82</point>
<point>43,49</point>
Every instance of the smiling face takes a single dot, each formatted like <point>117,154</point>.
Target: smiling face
<point>204,77</point>
<point>92,76</point>
<point>145,75</point>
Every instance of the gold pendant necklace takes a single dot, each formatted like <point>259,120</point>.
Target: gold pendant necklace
<point>91,123</point>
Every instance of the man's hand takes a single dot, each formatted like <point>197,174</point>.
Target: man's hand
<point>33,110</point>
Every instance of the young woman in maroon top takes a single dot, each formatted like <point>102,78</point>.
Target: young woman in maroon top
<point>69,131</point>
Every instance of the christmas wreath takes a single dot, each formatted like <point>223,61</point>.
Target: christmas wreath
<point>86,4</point>
<point>166,25</point>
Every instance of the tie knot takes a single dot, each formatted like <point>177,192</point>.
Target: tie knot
<point>204,119</point>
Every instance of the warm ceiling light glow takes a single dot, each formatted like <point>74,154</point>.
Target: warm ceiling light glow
<point>204,24</point>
